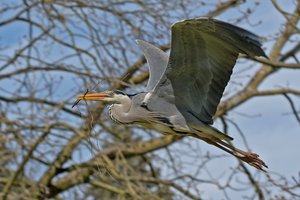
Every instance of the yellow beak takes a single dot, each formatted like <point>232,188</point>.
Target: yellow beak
<point>93,96</point>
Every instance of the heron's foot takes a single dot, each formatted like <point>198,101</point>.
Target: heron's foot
<point>248,157</point>
<point>252,159</point>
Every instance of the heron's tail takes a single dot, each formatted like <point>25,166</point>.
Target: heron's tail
<point>207,130</point>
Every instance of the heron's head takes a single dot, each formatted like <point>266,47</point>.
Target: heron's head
<point>116,96</point>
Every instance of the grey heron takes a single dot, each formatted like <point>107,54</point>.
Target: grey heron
<point>185,87</point>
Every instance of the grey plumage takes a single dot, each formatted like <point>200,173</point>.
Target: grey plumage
<point>202,57</point>
<point>185,88</point>
<point>157,62</point>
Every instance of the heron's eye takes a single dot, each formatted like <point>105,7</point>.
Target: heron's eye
<point>119,92</point>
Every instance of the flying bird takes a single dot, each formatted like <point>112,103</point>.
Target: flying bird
<point>185,87</point>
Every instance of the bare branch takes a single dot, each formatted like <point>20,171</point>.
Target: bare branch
<point>295,112</point>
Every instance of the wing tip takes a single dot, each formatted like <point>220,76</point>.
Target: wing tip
<point>138,41</point>
<point>142,44</point>
<point>198,19</point>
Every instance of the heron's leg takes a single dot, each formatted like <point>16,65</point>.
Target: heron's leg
<point>251,158</point>
<point>219,143</point>
<point>245,153</point>
<point>219,146</point>
<point>213,142</point>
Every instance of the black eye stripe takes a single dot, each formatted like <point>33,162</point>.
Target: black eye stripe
<point>119,92</point>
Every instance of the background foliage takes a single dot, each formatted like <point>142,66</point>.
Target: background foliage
<point>53,50</point>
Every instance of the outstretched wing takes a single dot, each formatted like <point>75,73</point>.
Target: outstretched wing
<point>203,53</point>
<point>157,62</point>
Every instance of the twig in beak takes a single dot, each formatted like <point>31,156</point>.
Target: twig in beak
<point>77,101</point>
<point>87,91</point>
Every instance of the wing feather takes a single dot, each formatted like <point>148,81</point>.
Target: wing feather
<point>157,62</point>
<point>203,53</point>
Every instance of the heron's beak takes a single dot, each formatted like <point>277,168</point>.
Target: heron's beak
<point>93,96</point>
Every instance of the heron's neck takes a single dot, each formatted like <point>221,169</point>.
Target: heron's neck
<point>119,112</point>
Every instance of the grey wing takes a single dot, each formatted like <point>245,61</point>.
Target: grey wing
<point>203,53</point>
<point>157,62</point>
